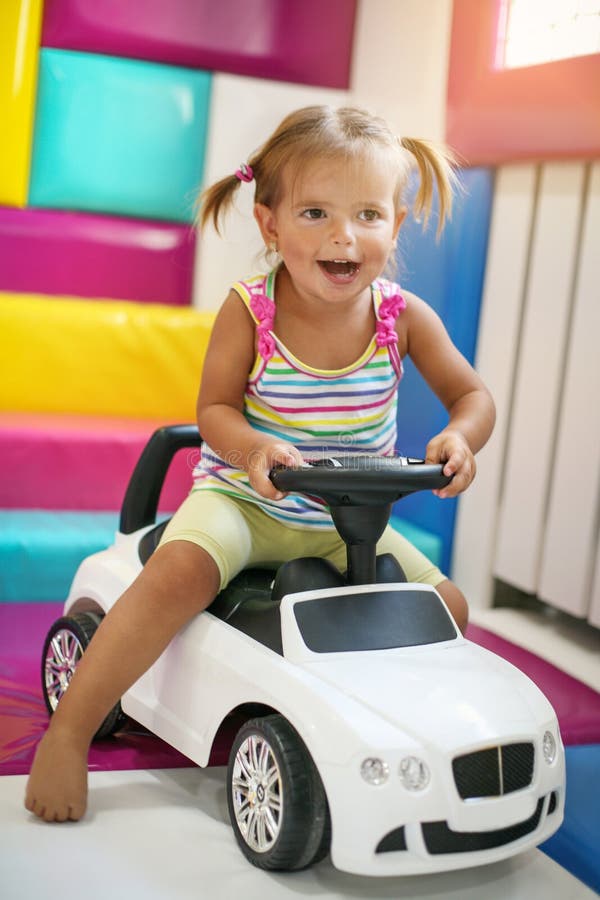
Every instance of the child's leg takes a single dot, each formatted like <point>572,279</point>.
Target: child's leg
<point>456,602</point>
<point>178,581</point>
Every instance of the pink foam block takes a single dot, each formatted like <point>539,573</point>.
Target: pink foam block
<point>306,41</point>
<point>55,252</point>
<point>78,463</point>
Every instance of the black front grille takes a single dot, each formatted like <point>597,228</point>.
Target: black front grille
<point>494,771</point>
<point>439,838</point>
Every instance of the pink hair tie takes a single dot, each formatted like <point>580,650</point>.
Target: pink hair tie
<point>244,173</point>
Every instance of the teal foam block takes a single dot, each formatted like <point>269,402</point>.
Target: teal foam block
<point>118,136</point>
<point>428,543</point>
<point>40,550</point>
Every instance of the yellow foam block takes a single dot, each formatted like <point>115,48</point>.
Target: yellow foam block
<point>20,26</point>
<point>101,357</point>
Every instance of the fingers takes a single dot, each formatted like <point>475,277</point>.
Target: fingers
<point>452,451</point>
<point>262,460</point>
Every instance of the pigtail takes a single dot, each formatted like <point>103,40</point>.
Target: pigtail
<point>216,200</point>
<point>436,165</point>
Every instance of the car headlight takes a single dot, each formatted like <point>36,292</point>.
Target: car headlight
<point>549,747</point>
<point>414,773</point>
<point>374,770</point>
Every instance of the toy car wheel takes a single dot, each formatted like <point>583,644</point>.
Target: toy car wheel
<point>277,803</point>
<point>64,646</point>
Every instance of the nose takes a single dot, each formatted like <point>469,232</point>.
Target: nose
<point>341,232</point>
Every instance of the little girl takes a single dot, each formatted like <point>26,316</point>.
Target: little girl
<point>303,360</point>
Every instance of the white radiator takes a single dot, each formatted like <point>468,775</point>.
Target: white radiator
<point>532,516</point>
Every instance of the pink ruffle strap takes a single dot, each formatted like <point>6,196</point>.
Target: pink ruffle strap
<point>264,311</point>
<point>389,310</point>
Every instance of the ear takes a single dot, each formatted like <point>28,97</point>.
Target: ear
<point>266,222</point>
<point>400,217</point>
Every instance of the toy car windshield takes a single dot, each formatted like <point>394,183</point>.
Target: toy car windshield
<point>379,620</point>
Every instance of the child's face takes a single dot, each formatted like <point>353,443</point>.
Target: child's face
<point>335,226</point>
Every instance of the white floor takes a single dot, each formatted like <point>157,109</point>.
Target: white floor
<point>164,835</point>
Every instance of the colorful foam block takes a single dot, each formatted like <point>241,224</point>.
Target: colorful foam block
<point>55,461</point>
<point>118,136</point>
<point>20,24</point>
<point>83,255</point>
<point>308,41</point>
<point>128,359</point>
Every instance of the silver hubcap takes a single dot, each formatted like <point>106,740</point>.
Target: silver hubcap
<point>256,791</point>
<point>64,652</point>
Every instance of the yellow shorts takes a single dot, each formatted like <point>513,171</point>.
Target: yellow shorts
<point>238,534</point>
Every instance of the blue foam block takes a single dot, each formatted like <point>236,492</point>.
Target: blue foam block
<point>449,275</point>
<point>118,135</point>
<point>40,550</point>
<point>576,844</point>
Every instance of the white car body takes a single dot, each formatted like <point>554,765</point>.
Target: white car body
<point>435,702</point>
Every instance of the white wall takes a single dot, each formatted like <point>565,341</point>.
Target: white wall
<point>400,63</point>
<point>399,71</point>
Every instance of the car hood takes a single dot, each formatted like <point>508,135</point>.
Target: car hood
<point>454,695</point>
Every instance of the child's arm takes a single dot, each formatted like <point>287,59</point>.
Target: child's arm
<point>229,359</point>
<point>469,403</point>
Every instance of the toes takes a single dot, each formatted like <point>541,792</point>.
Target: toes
<point>75,812</point>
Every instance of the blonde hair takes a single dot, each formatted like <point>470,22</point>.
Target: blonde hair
<point>322,132</point>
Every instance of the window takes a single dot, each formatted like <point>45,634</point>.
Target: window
<point>498,111</point>
<point>540,31</point>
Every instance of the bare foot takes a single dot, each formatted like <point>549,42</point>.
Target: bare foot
<point>57,786</point>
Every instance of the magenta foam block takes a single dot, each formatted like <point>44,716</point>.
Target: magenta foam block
<point>307,41</point>
<point>86,255</point>
<point>577,705</point>
<point>68,462</point>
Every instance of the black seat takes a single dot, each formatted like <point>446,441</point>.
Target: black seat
<point>308,573</point>
<point>150,541</point>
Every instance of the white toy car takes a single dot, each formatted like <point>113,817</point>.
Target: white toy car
<point>368,726</point>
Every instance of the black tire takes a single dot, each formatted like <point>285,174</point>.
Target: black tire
<point>272,774</point>
<point>66,642</point>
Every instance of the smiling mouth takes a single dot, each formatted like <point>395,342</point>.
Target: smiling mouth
<point>339,268</point>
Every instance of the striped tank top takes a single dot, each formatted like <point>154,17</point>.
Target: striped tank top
<point>321,412</point>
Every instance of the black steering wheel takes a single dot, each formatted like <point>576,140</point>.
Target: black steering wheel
<point>360,480</point>
<point>359,491</point>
